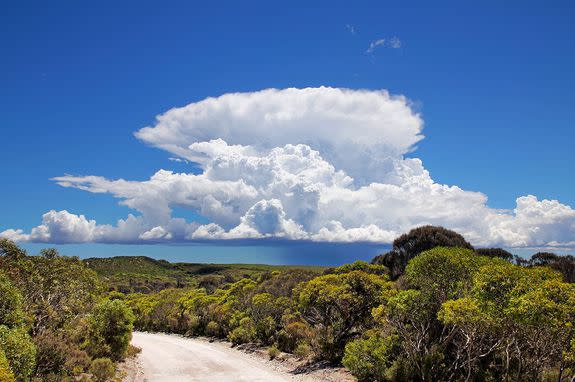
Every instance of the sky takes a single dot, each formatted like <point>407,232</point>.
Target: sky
<point>224,128</point>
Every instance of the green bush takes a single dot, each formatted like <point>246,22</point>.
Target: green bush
<point>57,354</point>
<point>339,307</point>
<point>273,351</point>
<point>11,314</point>
<point>6,374</point>
<point>303,349</point>
<point>110,330</point>
<point>245,332</point>
<point>212,329</point>
<point>292,334</point>
<point>20,351</point>
<point>102,369</point>
<point>371,359</point>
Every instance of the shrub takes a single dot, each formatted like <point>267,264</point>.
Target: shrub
<point>338,307</point>
<point>212,329</point>
<point>19,350</point>
<point>266,329</point>
<point>11,314</point>
<point>273,351</point>
<point>102,369</point>
<point>52,353</point>
<point>245,332</point>
<point>110,329</point>
<point>371,359</point>
<point>302,349</point>
<point>133,351</point>
<point>6,374</point>
<point>293,334</point>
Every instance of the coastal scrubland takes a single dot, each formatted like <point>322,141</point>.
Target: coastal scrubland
<point>433,308</point>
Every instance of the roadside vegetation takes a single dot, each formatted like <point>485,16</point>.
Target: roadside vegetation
<point>431,309</point>
<point>56,323</point>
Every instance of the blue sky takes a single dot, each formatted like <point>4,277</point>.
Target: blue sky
<point>493,83</point>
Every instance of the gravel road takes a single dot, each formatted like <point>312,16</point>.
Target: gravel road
<point>178,359</point>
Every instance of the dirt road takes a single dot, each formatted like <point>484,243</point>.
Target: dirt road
<point>178,359</point>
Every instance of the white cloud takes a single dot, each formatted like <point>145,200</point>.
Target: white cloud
<point>178,160</point>
<point>156,233</point>
<point>374,44</point>
<point>393,43</point>
<point>358,131</point>
<point>299,164</point>
<point>15,235</point>
<point>64,227</point>
<point>350,28</point>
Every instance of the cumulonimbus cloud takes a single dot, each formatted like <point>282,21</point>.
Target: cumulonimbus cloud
<point>318,164</point>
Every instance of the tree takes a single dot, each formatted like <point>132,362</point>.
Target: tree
<point>55,289</point>
<point>543,258</point>
<point>411,244</point>
<point>433,277</point>
<point>10,250</point>
<point>563,264</point>
<point>545,316</point>
<point>474,339</point>
<point>514,323</point>
<point>444,273</point>
<point>110,330</point>
<point>338,307</point>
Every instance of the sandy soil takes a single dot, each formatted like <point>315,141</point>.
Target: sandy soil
<point>166,357</point>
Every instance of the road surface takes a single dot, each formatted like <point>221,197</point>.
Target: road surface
<point>177,359</point>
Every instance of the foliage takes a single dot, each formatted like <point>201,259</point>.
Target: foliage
<point>455,314</point>
<point>273,352</point>
<point>59,354</point>
<point>562,264</point>
<point>110,330</point>
<point>6,374</point>
<point>19,351</point>
<point>44,303</point>
<point>244,332</point>
<point>140,274</point>
<point>11,314</point>
<point>55,288</point>
<point>416,241</point>
<point>495,252</point>
<point>102,369</point>
<point>338,307</point>
<point>361,266</point>
<point>372,358</point>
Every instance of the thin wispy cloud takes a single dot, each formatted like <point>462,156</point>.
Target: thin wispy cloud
<point>351,29</point>
<point>179,160</point>
<point>374,44</point>
<point>393,43</point>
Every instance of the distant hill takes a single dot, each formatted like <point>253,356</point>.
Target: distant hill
<point>143,274</point>
<point>130,264</point>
